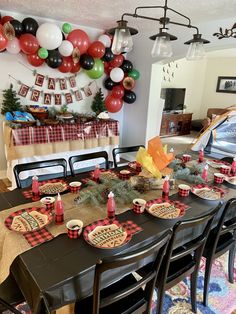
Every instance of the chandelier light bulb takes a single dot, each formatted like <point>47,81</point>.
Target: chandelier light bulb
<point>162,47</point>
<point>195,51</point>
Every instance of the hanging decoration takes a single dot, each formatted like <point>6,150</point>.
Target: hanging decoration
<point>51,83</point>
<point>39,80</point>
<point>23,91</point>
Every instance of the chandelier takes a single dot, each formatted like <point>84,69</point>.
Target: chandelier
<point>122,40</point>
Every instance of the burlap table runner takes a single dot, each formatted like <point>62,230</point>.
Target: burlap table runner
<point>13,243</point>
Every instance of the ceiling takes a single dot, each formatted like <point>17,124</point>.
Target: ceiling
<point>103,13</point>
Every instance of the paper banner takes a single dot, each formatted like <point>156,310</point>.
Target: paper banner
<point>39,80</point>
<point>87,91</point>
<point>23,91</point>
<point>57,99</point>
<point>47,99</point>
<point>78,95</point>
<point>68,97</point>
<point>63,84</point>
<point>72,81</point>
<point>51,83</point>
<point>35,95</point>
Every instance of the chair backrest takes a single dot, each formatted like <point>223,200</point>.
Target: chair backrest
<point>78,158</point>
<point>196,245</point>
<point>228,159</point>
<point>156,249</point>
<point>122,150</point>
<point>61,162</point>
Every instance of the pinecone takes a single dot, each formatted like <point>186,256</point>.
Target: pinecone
<point>105,193</point>
<point>196,173</point>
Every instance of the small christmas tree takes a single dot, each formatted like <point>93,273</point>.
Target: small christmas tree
<point>10,101</point>
<point>98,104</point>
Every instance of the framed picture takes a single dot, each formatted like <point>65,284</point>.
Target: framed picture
<point>226,84</point>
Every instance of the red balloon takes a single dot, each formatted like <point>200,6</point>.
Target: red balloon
<point>107,68</point>
<point>29,44</point>
<point>117,61</point>
<point>75,67</point>
<point>6,19</point>
<point>118,91</point>
<point>113,104</point>
<point>97,49</point>
<point>79,39</point>
<point>66,66</point>
<point>34,60</point>
<point>3,40</point>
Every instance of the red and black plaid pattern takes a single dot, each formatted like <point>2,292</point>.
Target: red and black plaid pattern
<point>130,227</point>
<point>216,188</point>
<point>221,162</point>
<point>73,234</point>
<point>74,189</point>
<point>124,176</point>
<point>91,173</point>
<point>29,193</point>
<point>37,237</point>
<point>218,179</point>
<point>186,158</point>
<point>225,170</point>
<point>138,208</point>
<point>59,219</point>
<point>66,132</point>
<point>183,192</point>
<point>135,166</point>
<point>177,204</point>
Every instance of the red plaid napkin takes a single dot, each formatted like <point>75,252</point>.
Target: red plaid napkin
<point>37,237</point>
<point>29,194</point>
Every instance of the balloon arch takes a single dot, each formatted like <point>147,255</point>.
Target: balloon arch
<point>70,50</point>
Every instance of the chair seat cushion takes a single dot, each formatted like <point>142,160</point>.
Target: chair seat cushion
<point>124,306</point>
<point>179,267</point>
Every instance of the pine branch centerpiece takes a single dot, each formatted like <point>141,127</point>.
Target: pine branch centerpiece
<point>96,194</point>
<point>98,104</point>
<point>10,101</point>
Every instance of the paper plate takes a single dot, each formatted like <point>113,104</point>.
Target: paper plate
<point>231,180</point>
<point>217,163</point>
<point>209,193</point>
<point>165,210</point>
<point>53,188</point>
<point>29,219</point>
<point>107,236</point>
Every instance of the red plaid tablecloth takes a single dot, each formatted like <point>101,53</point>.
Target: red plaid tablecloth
<point>68,132</point>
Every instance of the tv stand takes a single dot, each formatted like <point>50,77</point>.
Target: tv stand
<point>173,124</point>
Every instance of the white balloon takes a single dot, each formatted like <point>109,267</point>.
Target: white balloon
<point>66,48</point>
<point>13,46</point>
<point>105,39</point>
<point>49,36</point>
<point>117,75</point>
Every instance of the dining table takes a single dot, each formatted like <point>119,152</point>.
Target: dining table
<point>60,271</point>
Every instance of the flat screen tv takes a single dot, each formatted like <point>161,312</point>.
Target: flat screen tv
<point>174,99</point>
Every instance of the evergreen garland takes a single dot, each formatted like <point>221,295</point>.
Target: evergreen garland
<point>98,104</point>
<point>97,194</point>
<point>10,101</point>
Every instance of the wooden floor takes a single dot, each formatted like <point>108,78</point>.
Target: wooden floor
<point>4,184</point>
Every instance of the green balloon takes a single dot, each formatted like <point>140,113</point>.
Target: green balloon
<point>134,74</point>
<point>97,70</point>
<point>66,28</point>
<point>42,53</point>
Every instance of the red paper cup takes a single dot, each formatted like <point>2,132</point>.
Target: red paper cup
<point>186,157</point>
<point>219,178</point>
<point>184,190</point>
<point>225,169</point>
<point>48,202</point>
<point>75,186</point>
<point>124,174</point>
<point>139,205</point>
<point>74,228</point>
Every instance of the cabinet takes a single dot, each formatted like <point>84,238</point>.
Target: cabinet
<point>175,124</point>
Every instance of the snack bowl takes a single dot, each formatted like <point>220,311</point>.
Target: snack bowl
<point>219,178</point>
<point>48,202</point>
<point>75,186</point>
<point>124,174</point>
<point>74,228</point>
<point>224,169</point>
<point>184,190</point>
<point>186,157</point>
<point>139,205</point>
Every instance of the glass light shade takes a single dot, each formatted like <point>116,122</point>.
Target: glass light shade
<point>195,51</point>
<point>162,47</point>
<point>122,41</point>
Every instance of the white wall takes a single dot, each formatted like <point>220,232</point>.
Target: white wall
<point>12,65</point>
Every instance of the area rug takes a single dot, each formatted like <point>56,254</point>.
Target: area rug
<point>222,294</point>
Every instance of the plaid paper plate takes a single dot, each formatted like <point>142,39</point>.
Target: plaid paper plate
<point>110,234</point>
<point>166,209</point>
<point>208,192</point>
<point>28,193</point>
<point>217,163</point>
<point>28,219</point>
<point>231,179</point>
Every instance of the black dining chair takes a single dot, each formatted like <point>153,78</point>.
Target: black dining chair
<point>182,261</point>
<point>228,159</point>
<point>18,169</point>
<point>123,150</point>
<point>126,294</point>
<point>79,158</point>
<point>221,239</point>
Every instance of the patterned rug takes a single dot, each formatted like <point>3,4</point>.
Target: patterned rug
<point>222,294</point>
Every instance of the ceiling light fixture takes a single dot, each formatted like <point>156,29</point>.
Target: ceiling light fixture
<point>122,41</point>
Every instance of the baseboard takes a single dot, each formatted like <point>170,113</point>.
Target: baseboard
<point>3,174</point>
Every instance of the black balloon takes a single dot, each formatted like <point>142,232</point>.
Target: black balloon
<point>108,56</point>
<point>54,59</point>
<point>127,66</point>
<point>109,84</point>
<point>18,27</point>
<point>129,97</point>
<point>86,61</point>
<point>30,25</point>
